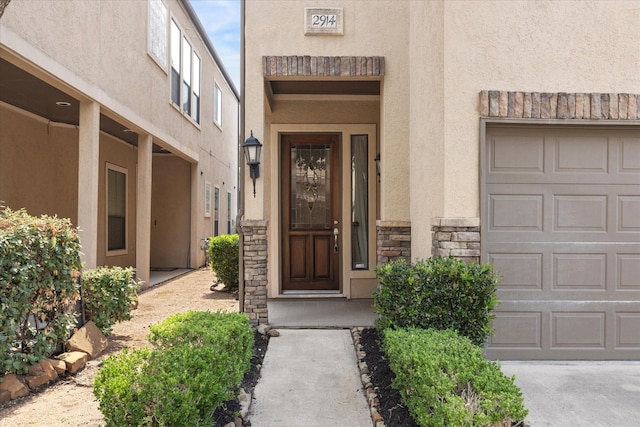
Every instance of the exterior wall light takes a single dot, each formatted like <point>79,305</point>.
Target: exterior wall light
<point>252,148</point>
<point>377,159</point>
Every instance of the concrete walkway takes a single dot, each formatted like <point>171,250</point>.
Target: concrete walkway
<point>585,394</point>
<point>310,378</point>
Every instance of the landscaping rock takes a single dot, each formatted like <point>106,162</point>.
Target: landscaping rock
<point>59,366</point>
<point>245,401</point>
<point>12,384</point>
<point>263,328</point>
<point>75,360</point>
<point>39,374</point>
<point>88,339</point>
<point>273,333</point>
<point>5,396</point>
<point>48,369</point>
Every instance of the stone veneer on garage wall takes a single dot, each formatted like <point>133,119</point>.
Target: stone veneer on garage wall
<point>254,242</point>
<point>561,105</point>
<point>456,237</point>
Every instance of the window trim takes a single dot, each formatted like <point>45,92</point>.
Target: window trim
<point>125,171</point>
<point>216,210</point>
<point>194,53</point>
<point>163,64</point>
<point>229,199</point>
<point>217,109</point>
<point>207,199</point>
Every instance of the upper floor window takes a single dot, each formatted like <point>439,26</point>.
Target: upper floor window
<point>185,74</point>
<point>217,104</point>
<point>158,32</point>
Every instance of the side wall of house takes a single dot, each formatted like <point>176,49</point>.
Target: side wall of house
<point>106,60</point>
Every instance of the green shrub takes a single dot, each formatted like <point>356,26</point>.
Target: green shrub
<point>118,386</point>
<point>109,294</point>
<point>197,362</point>
<point>440,293</point>
<point>226,332</point>
<point>224,259</point>
<point>39,269</point>
<point>445,381</point>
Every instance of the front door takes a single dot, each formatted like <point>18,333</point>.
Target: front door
<point>310,194</point>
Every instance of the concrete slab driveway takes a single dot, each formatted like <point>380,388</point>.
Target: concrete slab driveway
<point>579,393</point>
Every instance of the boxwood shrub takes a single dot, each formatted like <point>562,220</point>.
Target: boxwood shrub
<point>445,381</point>
<point>440,293</point>
<point>197,363</point>
<point>224,259</point>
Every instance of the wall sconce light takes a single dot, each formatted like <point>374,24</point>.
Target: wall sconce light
<point>252,149</point>
<point>377,159</point>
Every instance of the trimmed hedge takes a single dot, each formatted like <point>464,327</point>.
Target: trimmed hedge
<point>224,259</point>
<point>445,381</point>
<point>39,270</point>
<point>109,295</point>
<point>197,363</point>
<point>440,293</point>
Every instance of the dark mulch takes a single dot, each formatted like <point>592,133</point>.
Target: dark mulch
<point>228,411</point>
<point>395,414</point>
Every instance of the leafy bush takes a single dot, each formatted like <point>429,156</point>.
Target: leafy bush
<point>445,381</point>
<point>440,293</point>
<point>196,364</point>
<point>39,269</point>
<point>109,294</point>
<point>223,253</point>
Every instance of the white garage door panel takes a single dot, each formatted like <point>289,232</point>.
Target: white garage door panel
<point>561,223</point>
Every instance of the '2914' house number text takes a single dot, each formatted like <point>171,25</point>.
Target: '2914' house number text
<point>324,21</point>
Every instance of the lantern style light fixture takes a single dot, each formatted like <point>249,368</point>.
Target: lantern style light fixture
<point>252,148</point>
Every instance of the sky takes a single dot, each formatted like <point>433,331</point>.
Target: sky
<point>221,21</point>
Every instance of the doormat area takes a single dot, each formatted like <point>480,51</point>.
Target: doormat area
<point>163,268</point>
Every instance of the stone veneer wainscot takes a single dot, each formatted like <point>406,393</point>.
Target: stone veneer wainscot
<point>254,243</point>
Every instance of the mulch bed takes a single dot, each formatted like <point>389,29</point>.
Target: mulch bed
<point>395,414</point>
<point>227,412</point>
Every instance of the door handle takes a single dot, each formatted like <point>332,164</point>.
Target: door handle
<point>335,240</point>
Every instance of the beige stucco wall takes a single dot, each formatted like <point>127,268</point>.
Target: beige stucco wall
<point>263,38</point>
<point>38,165</point>
<point>124,156</point>
<point>557,46</point>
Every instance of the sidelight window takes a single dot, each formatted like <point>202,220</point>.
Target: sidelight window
<point>359,203</point>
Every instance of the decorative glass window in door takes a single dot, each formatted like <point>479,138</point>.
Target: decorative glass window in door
<point>310,187</point>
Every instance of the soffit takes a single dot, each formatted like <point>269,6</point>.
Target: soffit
<point>27,92</point>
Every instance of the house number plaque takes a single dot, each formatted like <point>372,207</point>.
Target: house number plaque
<point>323,21</point>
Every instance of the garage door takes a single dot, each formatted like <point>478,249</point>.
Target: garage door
<point>561,223</point>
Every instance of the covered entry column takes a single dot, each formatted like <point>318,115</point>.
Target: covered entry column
<point>88,168</point>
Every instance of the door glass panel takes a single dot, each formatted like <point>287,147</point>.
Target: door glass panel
<point>310,187</point>
<point>359,203</point>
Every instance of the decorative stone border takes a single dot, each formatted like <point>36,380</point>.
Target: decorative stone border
<point>323,66</point>
<point>560,105</point>
<point>456,237</point>
<point>254,243</point>
<point>393,241</point>
<point>370,393</point>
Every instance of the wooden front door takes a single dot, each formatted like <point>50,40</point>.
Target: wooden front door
<point>310,194</point>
